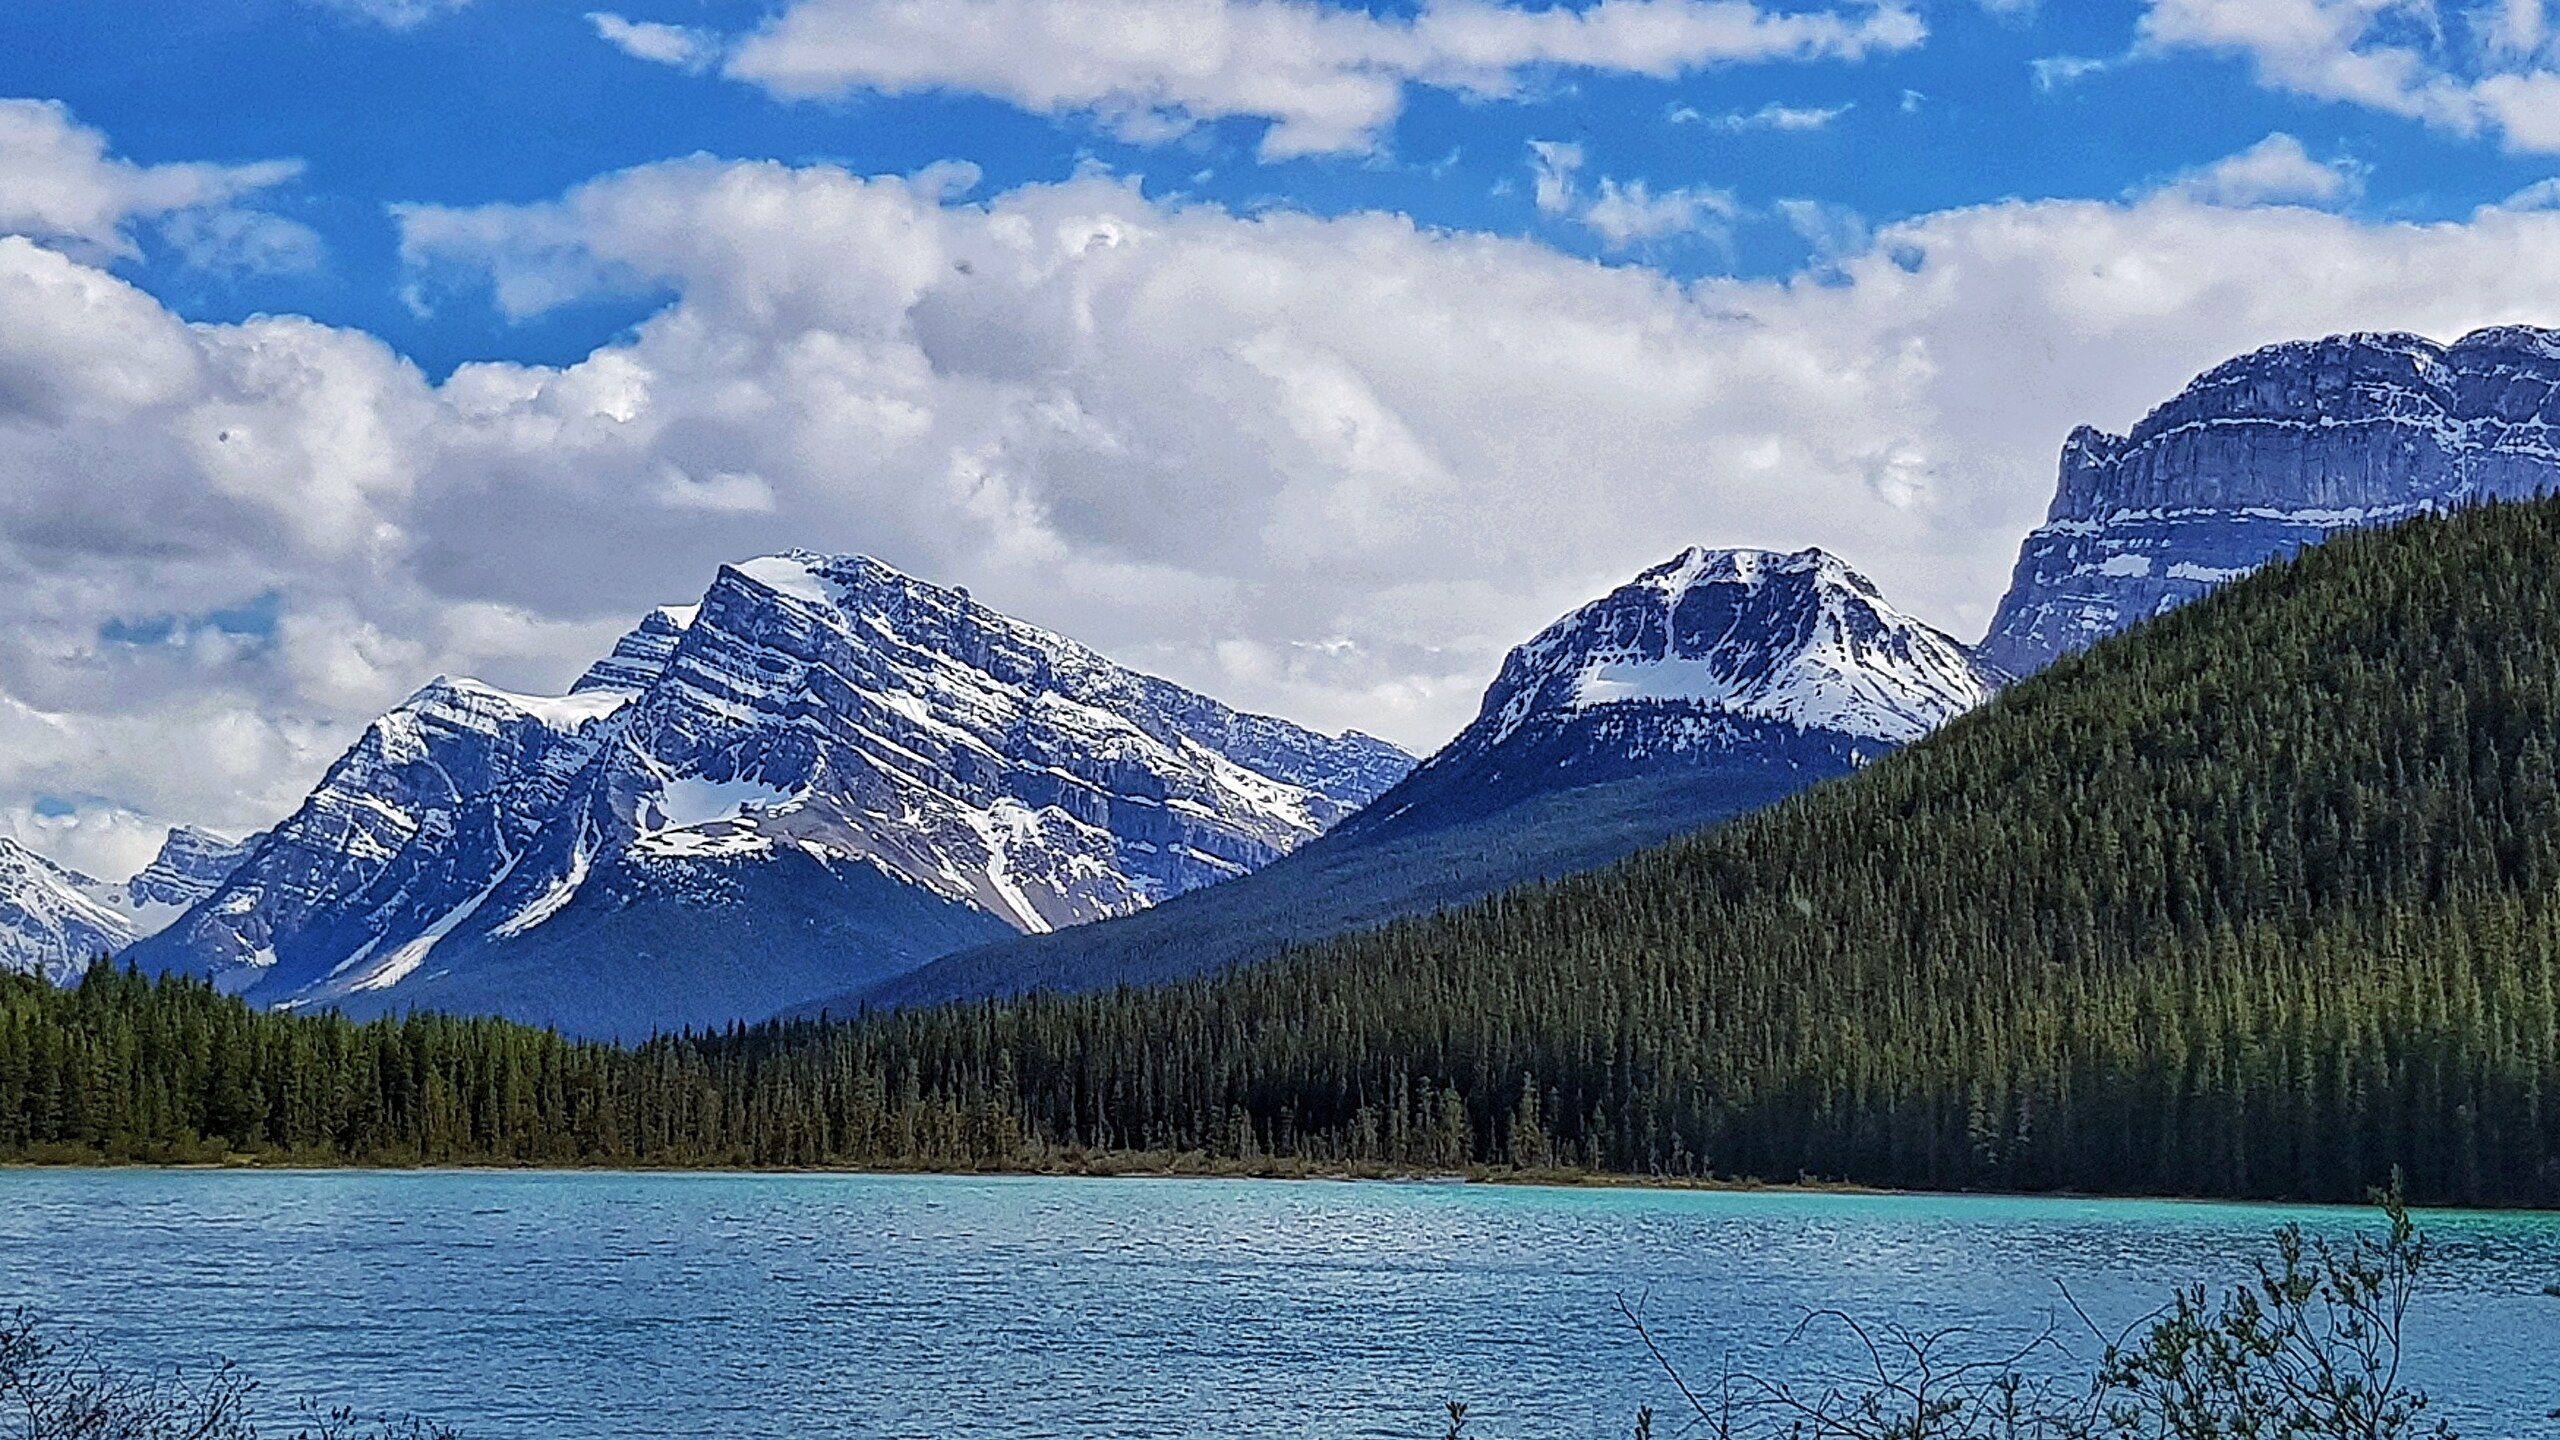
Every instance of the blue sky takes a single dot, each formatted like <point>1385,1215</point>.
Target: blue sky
<point>1308,354</point>
<point>517,100</point>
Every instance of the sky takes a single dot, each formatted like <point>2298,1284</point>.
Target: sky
<point>1309,353</point>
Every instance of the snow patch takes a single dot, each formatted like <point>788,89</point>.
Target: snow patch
<point>784,575</point>
<point>405,960</point>
<point>692,801</point>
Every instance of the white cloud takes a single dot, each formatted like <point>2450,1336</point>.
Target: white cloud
<point>2489,65</point>
<point>2540,195</point>
<point>59,186</point>
<point>103,841</point>
<point>685,47</point>
<point>2275,171</point>
<point>1630,213</point>
<point>1830,231</point>
<point>1326,78</point>
<point>1624,213</point>
<point>1772,116</point>
<point>1555,168</point>
<point>1331,468</point>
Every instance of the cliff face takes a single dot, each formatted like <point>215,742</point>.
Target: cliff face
<point>2270,452</point>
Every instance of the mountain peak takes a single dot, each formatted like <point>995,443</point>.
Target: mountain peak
<point>1744,565</point>
<point>1799,639</point>
<point>1715,681</point>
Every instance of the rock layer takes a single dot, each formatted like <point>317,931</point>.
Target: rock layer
<point>2270,452</point>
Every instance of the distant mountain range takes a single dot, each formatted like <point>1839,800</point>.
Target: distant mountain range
<point>830,784</point>
<point>1714,683</point>
<point>824,773</point>
<point>54,921</point>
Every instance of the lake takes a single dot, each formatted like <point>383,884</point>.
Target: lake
<point>568,1306</point>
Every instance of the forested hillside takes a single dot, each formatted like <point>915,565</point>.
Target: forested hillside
<point>2258,900</point>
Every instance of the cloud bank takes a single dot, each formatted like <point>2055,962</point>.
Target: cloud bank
<point>1331,468</point>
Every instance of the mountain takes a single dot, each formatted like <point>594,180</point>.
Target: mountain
<point>2259,900</point>
<point>192,864</point>
<point>1788,661</point>
<point>2270,452</point>
<point>1715,683</point>
<point>824,773</point>
<point>54,920</point>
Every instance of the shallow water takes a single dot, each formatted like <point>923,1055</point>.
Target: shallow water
<point>567,1306</point>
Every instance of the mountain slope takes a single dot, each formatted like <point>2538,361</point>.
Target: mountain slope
<point>2267,453</point>
<point>2261,899</point>
<point>1710,685</point>
<point>824,773</point>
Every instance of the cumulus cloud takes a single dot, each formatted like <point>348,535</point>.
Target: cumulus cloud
<point>1327,467</point>
<point>59,185</point>
<point>1326,78</point>
<point>2489,66</point>
<point>2275,171</point>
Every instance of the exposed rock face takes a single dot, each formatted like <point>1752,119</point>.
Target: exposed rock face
<point>811,714</point>
<point>396,848</point>
<point>191,864</point>
<point>2270,452</point>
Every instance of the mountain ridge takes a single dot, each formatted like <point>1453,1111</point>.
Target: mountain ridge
<point>55,921</point>
<point>829,707</point>
<point>2265,453</point>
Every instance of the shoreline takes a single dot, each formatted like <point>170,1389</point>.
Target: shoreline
<point>1132,1168</point>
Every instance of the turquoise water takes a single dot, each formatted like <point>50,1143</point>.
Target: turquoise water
<point>596,1305</point>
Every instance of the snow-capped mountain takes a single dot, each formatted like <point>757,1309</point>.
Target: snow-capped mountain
<point>1715,683</point>
<point>2270,452</point>
<point>192,864</point>
<point>55,920</point>
<point>1713,657</point>
<point>824,772</point>
<point>1800,640</point>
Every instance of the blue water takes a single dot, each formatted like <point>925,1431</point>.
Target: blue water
<point>568,1306</point>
